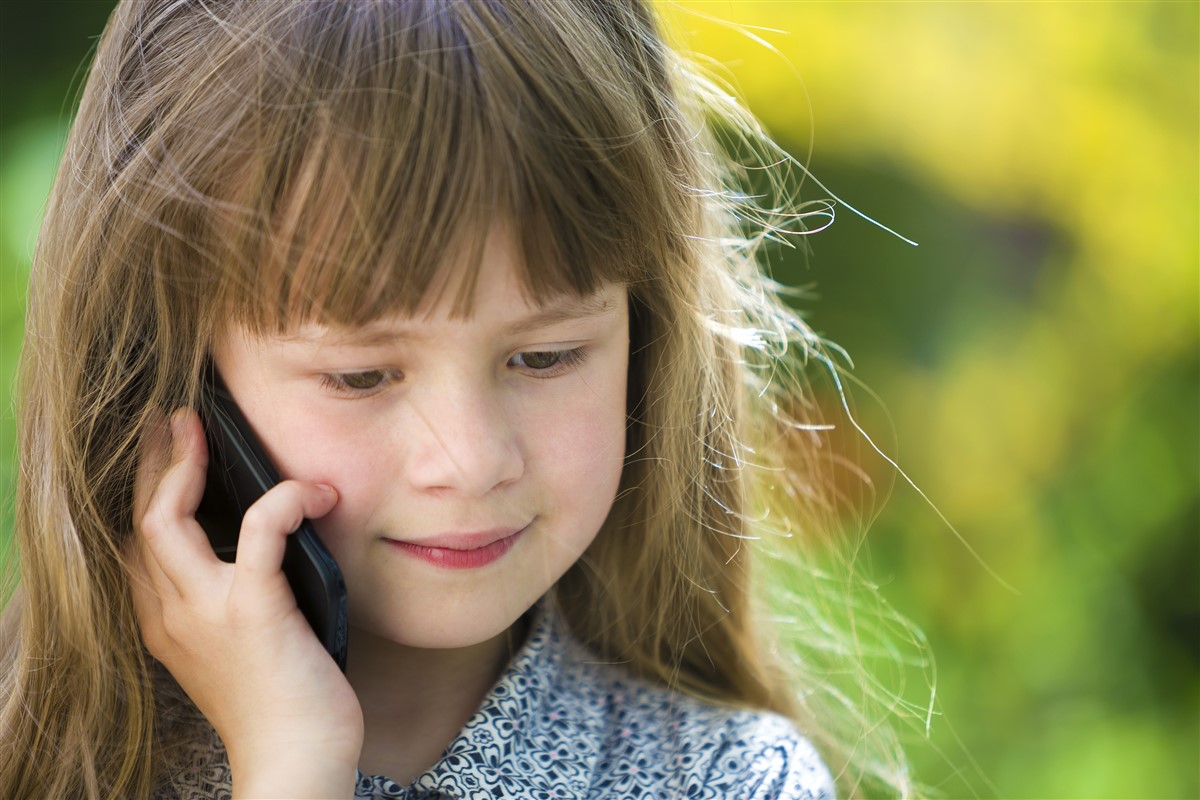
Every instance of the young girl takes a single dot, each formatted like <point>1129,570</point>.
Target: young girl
<point>485,289</point>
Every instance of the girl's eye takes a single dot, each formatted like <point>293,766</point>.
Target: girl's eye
<point>548,363</point>
<point>357,383</point>
<point>539,361</point>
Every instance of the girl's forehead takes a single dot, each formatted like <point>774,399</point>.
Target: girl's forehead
<point>502,312</point>
<point>492,317</point>
<point>490,288</point>
<point>487,276</point>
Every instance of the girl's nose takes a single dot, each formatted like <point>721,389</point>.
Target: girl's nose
<point>464,442</point>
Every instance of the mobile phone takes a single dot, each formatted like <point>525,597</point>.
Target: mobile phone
<point>239,473</point>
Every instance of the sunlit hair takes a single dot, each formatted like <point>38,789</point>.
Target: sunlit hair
<point>276,163</point>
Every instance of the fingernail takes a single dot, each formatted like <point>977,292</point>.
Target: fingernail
<point>325,487</point>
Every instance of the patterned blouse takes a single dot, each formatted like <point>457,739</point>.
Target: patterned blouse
<point>560,725</point>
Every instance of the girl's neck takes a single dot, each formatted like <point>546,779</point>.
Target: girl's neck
<point>415,701</point>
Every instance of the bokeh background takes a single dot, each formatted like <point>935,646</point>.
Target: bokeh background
<point>1036,359</point>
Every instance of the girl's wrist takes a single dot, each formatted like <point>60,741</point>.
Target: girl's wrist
<point>293,775</point>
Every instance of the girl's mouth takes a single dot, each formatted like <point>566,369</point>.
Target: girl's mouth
<point>461,551</point>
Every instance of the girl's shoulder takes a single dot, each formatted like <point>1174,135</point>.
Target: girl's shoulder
<point>561,724</point>
<point>649,741</point>
<point>652,740</point>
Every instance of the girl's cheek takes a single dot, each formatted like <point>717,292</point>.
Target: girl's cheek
<point>589,444</point>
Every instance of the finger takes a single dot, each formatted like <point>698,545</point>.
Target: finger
<point>154,457</point>
<point>172,538</point>
<point>184,479</point>
<point>145,575</point>
<point>268,523</point>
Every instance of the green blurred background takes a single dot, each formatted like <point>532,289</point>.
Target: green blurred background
<point>1037,358</point>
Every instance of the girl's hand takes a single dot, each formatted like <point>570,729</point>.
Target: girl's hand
<point>232,635</point>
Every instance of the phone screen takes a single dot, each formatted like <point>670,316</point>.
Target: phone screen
<point>239,472</point>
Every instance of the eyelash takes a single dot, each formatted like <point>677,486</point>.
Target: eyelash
<point>336,381</point>
<point>567,359</point>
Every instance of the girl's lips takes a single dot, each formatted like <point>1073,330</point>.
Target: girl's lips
<point>461,551</point>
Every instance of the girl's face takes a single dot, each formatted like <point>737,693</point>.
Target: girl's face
<point>475,459</point>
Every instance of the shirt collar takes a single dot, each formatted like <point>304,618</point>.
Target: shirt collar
<point>527,739</point>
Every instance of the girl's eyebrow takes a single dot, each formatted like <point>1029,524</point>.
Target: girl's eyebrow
<point>569,311</point>
<point>378,334</point>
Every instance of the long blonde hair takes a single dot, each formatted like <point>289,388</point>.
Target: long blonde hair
<point>272,163</point>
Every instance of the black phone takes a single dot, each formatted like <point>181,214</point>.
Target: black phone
<point>239,473</point>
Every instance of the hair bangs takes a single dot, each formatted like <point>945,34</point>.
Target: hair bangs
<point>356,210</point>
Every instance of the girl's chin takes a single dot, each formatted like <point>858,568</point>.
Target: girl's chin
<point>471,629</point>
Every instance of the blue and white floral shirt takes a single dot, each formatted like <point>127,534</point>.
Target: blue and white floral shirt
<point>560,725</point>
